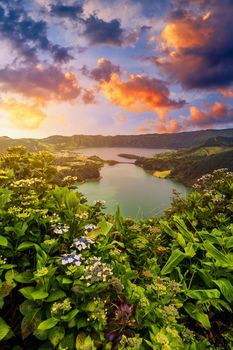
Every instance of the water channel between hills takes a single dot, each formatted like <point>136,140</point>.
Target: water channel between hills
<point>138,193</point>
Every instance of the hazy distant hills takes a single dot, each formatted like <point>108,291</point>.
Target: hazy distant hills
<point>172,141</point>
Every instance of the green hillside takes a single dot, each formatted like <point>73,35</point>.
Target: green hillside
<point>171,141</point>
<point>188,165</point>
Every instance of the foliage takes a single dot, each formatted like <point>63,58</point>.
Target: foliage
<point>72,277</point>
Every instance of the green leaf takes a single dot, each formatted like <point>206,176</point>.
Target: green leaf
<point>229,243</point>
<point>56,295</point>
<point>48,324</point>
<point>24,277</point>
<point>3,241</point>
<point>39,294</point>
<point>226,288</point>
<point>176,257</point>
<point>41,335</point>
<point>203,294</point>
<point>190,251</point>
<point>26,245</point>
<point>27,292</point>
<point>30,323</point>
<point>214,253</point>
<point>56,335</point>
<point>181,240</point>
<point>104,227</point>
<point>197,315</point>
<point>4,329</point>
<point>70,315</point>
<point>180,224</point>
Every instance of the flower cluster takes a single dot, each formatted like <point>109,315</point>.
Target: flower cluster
<point>42,272</point>
<point>28,183</point>
<point>99,203</point>
<point>2,260</point>
<point>63,307</point>
<point>60,228</point>
<point>96,271</point>
<point>50,241</point>
<point>170,312</point>
<point>72,259</point>
<point>133,343</point>
<point>82,243</point>
<point>99,311</point>
<point>83,215</point>
<point>89,228</point>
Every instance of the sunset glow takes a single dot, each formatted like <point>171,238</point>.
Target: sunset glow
<point>109,69</point>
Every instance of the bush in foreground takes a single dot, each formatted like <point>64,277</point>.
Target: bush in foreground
<point>75,278</point>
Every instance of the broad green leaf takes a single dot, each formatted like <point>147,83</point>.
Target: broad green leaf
<point>68,342</point>
<point>197,315</point>
<point>205,276</point>
<point>56,335</point>
<point>56,295</point>
<point>214,253</point>
<point>70,315</point>
<point>4,329</point>
<point>226,288</point>
<point>39,294</point>
<point>48,324</point>
<point>203,294</point>
<point>229,242</point>
<point>41,335</point>
<point>180,224</point>
<point>26,245</point>
<point>181,240</point>
<point>24,277</point>
<point>189,250</point>
<point>30,322</point>
<point>27,292</point>
<point>3,241</point>
<point>28,307</point>
<point>176,257</point>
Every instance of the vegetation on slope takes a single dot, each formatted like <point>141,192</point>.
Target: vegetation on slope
<point>171,141</point>
<point>188,165</point>
<point>72,277</point>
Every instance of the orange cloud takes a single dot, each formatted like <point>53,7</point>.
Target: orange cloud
<point>197,46</point>
<point>139,93</point>
<point>184,33</point>
<point>40,84</point>
<point>213,116</point>
<point>23,116</point>
<point>142,129</point>
<point>121,118</point>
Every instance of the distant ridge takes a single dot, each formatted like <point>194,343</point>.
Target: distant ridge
<point>172,141</point>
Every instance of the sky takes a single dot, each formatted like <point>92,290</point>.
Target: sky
<point>115,66</point>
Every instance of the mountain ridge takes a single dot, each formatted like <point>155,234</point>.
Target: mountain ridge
<point>174,140</point>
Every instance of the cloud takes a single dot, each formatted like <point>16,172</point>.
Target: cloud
<point>23,116</point>
<point>27,35</point>
<point>104,70</point>
<point>198,47</point>
<point>139,93</point>
<point>88,96</point>
<point>211,117</point>
<point>98,31</point>
<point>214,116</point>
<point>142,129</point>
<point>121,118</point>
<point>72,12</point>
<point>41,84</point>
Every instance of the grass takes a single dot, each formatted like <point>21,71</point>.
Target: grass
<point>162,174</point>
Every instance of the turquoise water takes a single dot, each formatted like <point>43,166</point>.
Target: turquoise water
<point>138,193</point>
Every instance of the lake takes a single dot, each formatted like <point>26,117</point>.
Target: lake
<point>138,193</point>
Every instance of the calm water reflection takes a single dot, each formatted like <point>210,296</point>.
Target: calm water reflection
<point>137,192</point>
